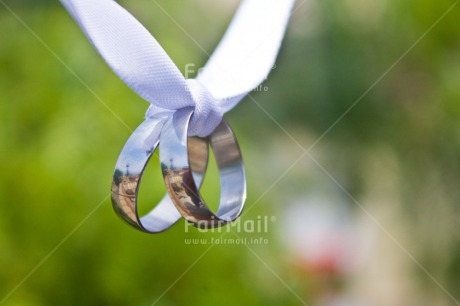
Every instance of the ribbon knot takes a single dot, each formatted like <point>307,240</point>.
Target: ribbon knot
<point>207,114</point>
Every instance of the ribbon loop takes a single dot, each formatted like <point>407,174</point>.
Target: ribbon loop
<point>240,63</point>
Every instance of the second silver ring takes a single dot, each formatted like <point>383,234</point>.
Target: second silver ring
<point>178,175</point>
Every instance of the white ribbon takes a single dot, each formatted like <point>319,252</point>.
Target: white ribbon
<point>242,60</point>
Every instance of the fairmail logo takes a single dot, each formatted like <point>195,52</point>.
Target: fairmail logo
<point>261,224</point>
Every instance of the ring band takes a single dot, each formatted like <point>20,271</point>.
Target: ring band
<point>179,180</point>
<point>130,168</point>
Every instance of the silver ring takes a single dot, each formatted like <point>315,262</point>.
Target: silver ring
<point>130,167</point>
<point>182,186</point>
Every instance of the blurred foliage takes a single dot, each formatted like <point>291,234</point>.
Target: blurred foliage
<point>59,140</point>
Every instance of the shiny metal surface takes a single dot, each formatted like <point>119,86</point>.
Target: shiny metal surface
<point>181,185</point>
<point>128,174</point>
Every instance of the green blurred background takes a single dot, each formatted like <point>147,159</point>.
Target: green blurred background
<point>369,216</point>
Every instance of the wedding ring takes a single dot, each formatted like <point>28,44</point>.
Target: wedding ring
<point>182,185</point>
<point>129,170</point>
